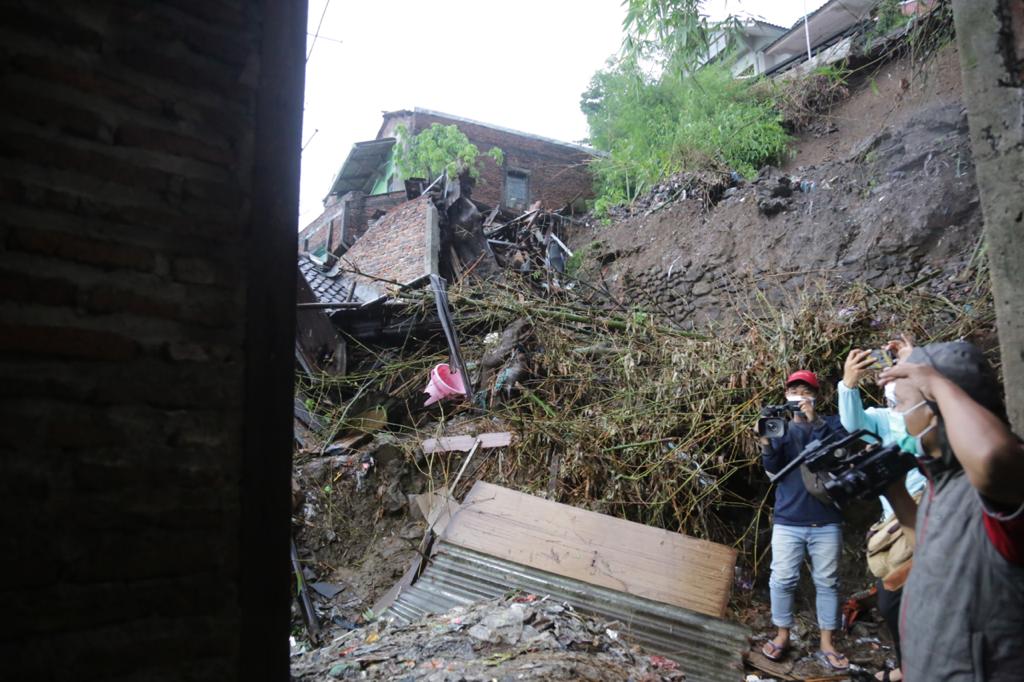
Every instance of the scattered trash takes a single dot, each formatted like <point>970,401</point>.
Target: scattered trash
<point>327,590</point>
<point>493,639</point>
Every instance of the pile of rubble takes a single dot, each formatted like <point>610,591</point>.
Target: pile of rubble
<point>518,637</point>
<point>706,187</point>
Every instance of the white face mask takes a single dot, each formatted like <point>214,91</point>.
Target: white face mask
<point>890,394</point>
<point>911,443</point>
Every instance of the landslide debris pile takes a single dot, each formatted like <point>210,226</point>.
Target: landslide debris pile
<point>621,412</point>
<point>517,637</point>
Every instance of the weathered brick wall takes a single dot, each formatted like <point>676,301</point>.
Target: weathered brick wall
<point>330,222</point>
<point>350,216</point>
<point>145,342</point>
<point>360,213</point>
<point>558,173</point>
<point>395,248</point>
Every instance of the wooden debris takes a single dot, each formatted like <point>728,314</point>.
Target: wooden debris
<point>594,548</point>
<point>465,443</point>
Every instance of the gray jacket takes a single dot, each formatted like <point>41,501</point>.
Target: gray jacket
<point>962,617</point>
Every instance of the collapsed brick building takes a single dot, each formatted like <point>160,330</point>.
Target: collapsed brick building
<point>535,169</point>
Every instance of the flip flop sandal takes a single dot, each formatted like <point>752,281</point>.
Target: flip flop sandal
<point>826,659</point>
<point>777,652</point>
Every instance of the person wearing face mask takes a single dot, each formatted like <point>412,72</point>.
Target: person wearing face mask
<point>803,525</point>
<point>888,426</point>
<point>962,617</point>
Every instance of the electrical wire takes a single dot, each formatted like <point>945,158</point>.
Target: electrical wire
<point>317,34</point>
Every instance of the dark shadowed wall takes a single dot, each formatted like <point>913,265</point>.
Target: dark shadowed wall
<point>149,168</point>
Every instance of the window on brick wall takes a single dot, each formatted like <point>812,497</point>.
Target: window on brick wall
<point>517,188</point>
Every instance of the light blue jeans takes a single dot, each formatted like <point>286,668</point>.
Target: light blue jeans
<point>789,545</point>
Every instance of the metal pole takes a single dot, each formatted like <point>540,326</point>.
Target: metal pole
<point>807,32</point>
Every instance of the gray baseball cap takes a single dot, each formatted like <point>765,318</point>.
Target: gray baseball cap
<point>965,365</point>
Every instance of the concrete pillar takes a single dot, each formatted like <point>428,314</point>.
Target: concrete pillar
<point>990,34</point>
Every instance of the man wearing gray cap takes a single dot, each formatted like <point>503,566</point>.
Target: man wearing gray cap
<point>962,617</point>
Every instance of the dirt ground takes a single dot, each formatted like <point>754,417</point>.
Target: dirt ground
<point>349,536</point>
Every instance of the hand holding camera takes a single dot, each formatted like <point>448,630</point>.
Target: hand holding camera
<point>774,418</point>
<point>858,363</point>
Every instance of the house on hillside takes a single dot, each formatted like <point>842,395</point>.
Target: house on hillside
<point>828,35</point>
<point>751,39</point>
<point>535,169</point>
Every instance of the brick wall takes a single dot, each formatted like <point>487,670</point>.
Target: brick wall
<point>350,216</point>
<point>558,173</point>
<point>395,248</point>
<point>147,278</point>
<point>330,222</point>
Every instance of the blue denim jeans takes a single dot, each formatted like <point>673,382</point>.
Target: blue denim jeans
<point>789,545</point>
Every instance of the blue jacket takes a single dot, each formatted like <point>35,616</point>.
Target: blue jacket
<point>794,506</point>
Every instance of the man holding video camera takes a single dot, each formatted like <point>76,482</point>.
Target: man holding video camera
<point>802,524</point>
<point>962,617</point>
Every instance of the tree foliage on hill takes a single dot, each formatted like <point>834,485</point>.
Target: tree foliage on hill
<point>654,127</point>
<point>437,149</point>
<point>663,105</point>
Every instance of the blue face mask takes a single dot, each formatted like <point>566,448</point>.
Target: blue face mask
<point>909,443</point>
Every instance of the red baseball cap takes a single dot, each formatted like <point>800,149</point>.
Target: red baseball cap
<point>804,375</point>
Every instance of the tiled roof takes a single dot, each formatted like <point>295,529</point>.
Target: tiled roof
<point>326,288</point>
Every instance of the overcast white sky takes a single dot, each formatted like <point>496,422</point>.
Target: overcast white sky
<point>520,65</point>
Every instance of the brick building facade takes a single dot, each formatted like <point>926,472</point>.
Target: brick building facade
<point>149,171</point>
<point>534,169</point>
<point>345,220</point>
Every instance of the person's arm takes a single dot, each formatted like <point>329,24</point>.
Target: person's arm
<point>903,506</point>
<point>772,454</point>
<point>851,408</point>
<point>991,455</point>
<point>852,413</point>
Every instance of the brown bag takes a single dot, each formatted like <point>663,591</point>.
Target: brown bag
<point>888,546</point>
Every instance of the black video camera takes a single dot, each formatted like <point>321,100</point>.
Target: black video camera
<point>847,468</point>
<point>772,423</point>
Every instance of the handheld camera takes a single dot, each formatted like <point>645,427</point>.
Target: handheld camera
<point>774,419</point>
<point>847,468</point>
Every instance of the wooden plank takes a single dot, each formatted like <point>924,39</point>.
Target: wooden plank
<point>466,443</point>
<point>437,507</point>
<point>448,444</point>
<point>594,548</point>
<point>779,669</point>
<point>500,439</point>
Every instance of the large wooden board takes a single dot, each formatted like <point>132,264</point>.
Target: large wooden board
<point>595,548</point>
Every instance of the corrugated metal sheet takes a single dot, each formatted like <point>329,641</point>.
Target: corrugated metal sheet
<point>707,648</point>
<point>361,165</point>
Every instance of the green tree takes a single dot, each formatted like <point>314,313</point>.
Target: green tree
<point>676,34</point>
<point>669,103</point>
<point>654,127</point>
<point>438,149</point>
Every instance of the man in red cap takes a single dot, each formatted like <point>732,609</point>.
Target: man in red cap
<point>803,525</point>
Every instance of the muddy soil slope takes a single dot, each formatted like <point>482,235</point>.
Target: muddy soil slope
<point>888,196</point>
